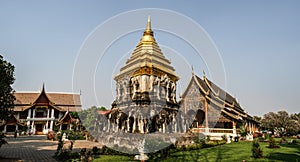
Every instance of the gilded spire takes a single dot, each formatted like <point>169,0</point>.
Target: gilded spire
<point>147,54</point>
<point>148,33</point>
<point>148,28</point>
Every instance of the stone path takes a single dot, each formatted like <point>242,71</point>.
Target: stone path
<point>28,149</point>
<point>34,149</point>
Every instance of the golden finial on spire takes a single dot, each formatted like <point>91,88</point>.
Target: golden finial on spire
<point>148,33</point>
<point>148,23</point>
<point>148,30</point>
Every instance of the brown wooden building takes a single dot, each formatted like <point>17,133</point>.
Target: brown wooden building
<point>42,112</point>
<point>215,112</point>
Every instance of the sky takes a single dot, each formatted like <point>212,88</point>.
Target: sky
<point>258,44</point>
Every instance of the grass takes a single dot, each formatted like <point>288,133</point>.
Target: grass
<point>113,158</point>
<point>236,151</point>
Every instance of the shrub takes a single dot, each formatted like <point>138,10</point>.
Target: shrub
<point>208,138</point>
<point>95,150</point>
<point>2,140</point>
<point>267,136</point>
<point>63,154</point>
<point>272,143</point>
<point>282,140</point>
<point>256,150</point>
<point>261,139</point>
<point>85,155</point>
<point>293,141</point>
<point>224,138</point>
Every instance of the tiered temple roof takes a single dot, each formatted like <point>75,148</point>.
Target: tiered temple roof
<point>60,101</point>
<point>147,58</point>
<point>214,95</point>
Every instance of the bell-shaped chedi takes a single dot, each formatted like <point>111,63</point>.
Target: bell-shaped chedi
<point>147,75</point>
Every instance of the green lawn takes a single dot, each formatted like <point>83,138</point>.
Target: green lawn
<point>236,151</point>
<point>112,158</point>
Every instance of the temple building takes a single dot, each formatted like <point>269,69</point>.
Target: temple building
<point>145,90</point>
<point>40,112</point>
<point>215,112</point>
<point>146,99</point>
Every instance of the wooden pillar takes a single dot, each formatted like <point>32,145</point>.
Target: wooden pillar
<point>234,127</point>
<point>33,115</point>
<point>52,113</point>
<point>184,104</point>
<point>206,114</point>
<point>29,113</point>
<point>48,113</point>
<point>32,127</point>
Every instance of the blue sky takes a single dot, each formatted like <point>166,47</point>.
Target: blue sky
<point>258,42</point>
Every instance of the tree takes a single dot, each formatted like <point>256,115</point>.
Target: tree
<point>102,108</point>
<point>257,118</point>
<point>89,117</point>
<point>243,131</point>
<point>295,129</point>
<point>6,91</point>
<point>269,121</point>
<point>281,122</point>
<point>74,115</point>
<point>256,150</point>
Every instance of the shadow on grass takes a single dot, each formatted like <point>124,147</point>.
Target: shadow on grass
<point>292,156</point>
<point>197,155</point>
<point>284,157</point>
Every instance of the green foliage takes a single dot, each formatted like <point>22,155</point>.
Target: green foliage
<point>243,131</point>
<point>6,91</point>
<point>236,151</point>
<point>86,155</point>
<point>63,154</point>
<point>267,136</point>
<point>272,143</point>
<point>283,140</point>
<point>108,151</point>
<point>2,140</point>
<point>74,115</point>
<point>281,122</point>
<point>256,150</point>
<point>293,141</point>
<point>208,138</point>
<point>102,108</point>
<point>24,128</point>
<point>75,135</point>
<point>89,117</point>
<point>224,138</point>
<point>197,138</point>
<point>95,150</point>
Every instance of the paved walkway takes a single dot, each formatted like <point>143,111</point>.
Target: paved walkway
<point>28,149</point>
<point>34,149</point>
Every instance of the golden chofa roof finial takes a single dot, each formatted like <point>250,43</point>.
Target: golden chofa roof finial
<point>148,33</point>
<point>148,28</point>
